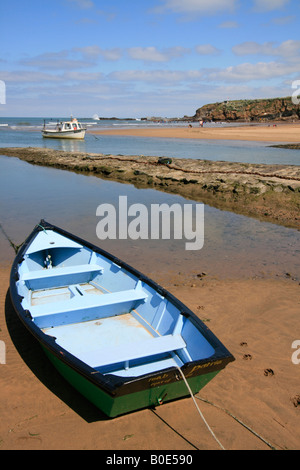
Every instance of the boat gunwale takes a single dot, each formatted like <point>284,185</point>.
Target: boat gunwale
<point>116,385</point>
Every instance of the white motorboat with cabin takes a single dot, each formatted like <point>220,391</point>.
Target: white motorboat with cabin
<point>65,130</point>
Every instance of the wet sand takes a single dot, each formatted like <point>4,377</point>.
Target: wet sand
<point>268,192</point>
<point>39,410</point>
<point>273,132</point>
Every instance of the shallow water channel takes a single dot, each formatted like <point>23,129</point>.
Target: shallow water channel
<point>235,246</point>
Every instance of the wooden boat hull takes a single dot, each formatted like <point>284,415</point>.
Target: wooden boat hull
<point>124,348</point>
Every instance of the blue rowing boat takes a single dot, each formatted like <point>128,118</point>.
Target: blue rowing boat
<point>119,338</point>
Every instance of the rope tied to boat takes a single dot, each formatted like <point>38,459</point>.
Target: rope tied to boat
<point>200,412</point>
<point>272,447</point>
<point>238,421</point>
<point>12,244</point>
<point>43,228</point>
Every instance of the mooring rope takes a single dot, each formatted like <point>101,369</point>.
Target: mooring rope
<point>238,421</point>
<point>39,225</point>
<point>15,247</point>
<point>200,412</point>
<point>173,429</point>
<point>225,411</point>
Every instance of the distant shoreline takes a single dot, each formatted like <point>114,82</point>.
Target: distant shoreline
<point>272,133</point>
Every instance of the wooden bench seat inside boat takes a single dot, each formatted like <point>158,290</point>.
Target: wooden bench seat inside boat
<point>60,276</point>
<point>130,345</point>
<point>84,307</point>
<point>134,351</point>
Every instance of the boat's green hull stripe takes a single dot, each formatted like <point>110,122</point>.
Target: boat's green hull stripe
<point>114,406</point>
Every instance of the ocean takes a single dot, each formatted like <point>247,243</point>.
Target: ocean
<point>26,132</point>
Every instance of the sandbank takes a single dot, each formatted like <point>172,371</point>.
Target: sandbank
<point>40,411</point>
<point>274,132</point>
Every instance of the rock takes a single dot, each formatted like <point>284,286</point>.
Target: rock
<point>250,110</point>
<point>164,161</point>
<point>278,189</point>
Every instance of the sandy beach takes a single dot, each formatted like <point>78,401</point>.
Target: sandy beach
<point>150,229</point>
<point>274,132</point>
<point>39,410</point>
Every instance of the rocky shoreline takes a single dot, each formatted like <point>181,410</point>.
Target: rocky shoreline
<point>287,146</point>
<point>268,192</point>
<point>255,110</point>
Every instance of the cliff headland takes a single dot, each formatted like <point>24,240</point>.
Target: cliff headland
<point>261,110</point>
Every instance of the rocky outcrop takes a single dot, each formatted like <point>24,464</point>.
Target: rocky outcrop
<point>262,110</point>
<point>268,192</point>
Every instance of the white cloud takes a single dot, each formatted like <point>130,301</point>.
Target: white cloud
<point>242,74</point>
<point>198,6</point>
<point>25,77</point>
<point>287,50</point>
<point>252,48</point>
<point>207,49</point>
<point>76,58</point>
<point>284,20</point>
<point>83,76</point>
<point>111,54</point>
<point>55,61</point>
<point>248,72</point>
<point>88,56</point>
<point>229,25</point>
<point>269,5</point>
<point>89,51</point>
<point>83,4</point>
<point>156,76</point>
<point>93,52</point>
<point>152,54</point>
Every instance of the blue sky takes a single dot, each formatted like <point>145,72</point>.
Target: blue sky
<point>139,58</point>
